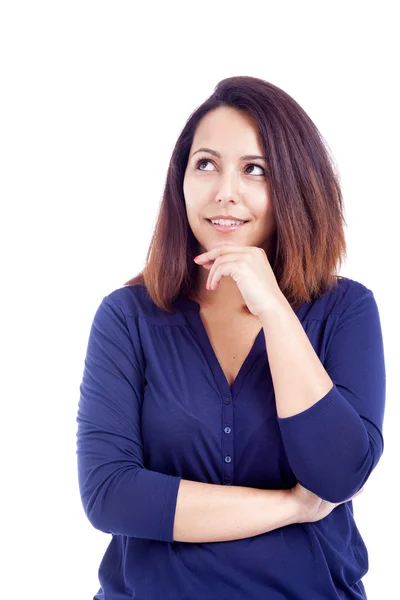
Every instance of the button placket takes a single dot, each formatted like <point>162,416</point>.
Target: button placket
<point>227,441</point>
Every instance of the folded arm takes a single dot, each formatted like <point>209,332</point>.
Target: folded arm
<point>119,495</point>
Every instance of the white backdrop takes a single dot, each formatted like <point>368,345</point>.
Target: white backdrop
<point>94,95</point>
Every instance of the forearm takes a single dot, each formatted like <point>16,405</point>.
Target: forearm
<point>217,513</point>
<point>290,351</point>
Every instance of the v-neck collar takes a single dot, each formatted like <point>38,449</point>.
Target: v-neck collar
<point>191,311</point>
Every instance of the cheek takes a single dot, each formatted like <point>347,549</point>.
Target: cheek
<point>196,204</point>
<point>188,189</point>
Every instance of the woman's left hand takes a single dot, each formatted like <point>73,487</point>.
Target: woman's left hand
<point>249,268</point>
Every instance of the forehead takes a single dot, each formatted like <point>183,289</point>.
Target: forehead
<point>227,128</point>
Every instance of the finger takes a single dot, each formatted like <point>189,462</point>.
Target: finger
<point>208,282</point>
<point>219,251</point>
<point>216,274</point>
<point>208,265</point>
<point>219,260</point>
<point>213,265</point>
<point>227,258</point>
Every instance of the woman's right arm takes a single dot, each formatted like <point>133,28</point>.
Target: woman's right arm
<point>218,513</point>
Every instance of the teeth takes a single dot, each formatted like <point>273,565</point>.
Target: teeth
<point>226,222</point>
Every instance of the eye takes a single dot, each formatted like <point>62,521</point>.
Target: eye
<point>205,160</point>
<point>258,166</point>
<point>199,162</point>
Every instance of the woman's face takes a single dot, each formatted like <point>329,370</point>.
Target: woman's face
<point>228,184</point>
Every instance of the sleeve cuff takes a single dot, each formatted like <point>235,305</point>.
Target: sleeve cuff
<point>314,412</point>
<point>168,519</point>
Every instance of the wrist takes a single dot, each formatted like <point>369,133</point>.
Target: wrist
<point>276,302</point>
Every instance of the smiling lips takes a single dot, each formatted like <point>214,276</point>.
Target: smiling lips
<point>227,228</point>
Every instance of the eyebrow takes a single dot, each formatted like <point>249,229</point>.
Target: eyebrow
<point>245,157</point>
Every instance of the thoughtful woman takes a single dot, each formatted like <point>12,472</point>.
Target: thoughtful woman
<point>232,404</point>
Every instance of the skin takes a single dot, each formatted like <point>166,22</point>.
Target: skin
<point>313,508</point>
<point>227,185</point>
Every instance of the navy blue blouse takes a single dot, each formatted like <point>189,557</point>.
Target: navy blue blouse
<point>155,407</point>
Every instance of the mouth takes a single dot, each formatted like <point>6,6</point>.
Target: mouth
<point>227,228</point>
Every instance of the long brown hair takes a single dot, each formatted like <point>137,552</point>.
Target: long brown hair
<point>309,241</point>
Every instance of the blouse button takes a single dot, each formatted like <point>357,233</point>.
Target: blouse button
<point>228,459</point>
<point>227,429</point>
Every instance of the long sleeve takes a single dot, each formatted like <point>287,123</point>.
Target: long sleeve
<point>119,495</point>
<point>333,446</point>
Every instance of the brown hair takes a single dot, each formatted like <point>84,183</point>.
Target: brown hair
<point>308,242</point>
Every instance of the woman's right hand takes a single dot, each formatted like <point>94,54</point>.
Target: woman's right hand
<point>312,507</point>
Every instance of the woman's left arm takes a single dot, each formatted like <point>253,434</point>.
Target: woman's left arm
<point>330,415</point>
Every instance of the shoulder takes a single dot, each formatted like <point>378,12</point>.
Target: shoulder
<point>346,294</point>
<point>134,301</point>
<point>130,299</point>
<point>349,292</point>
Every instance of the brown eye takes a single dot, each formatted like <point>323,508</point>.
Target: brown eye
<point>263,172</point>
<point>202,160</point>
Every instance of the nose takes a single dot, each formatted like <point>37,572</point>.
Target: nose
<point>228,186</point>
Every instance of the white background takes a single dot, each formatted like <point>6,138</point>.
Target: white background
<point>93,97</point>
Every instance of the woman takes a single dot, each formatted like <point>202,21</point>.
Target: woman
<point>232,405</point>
